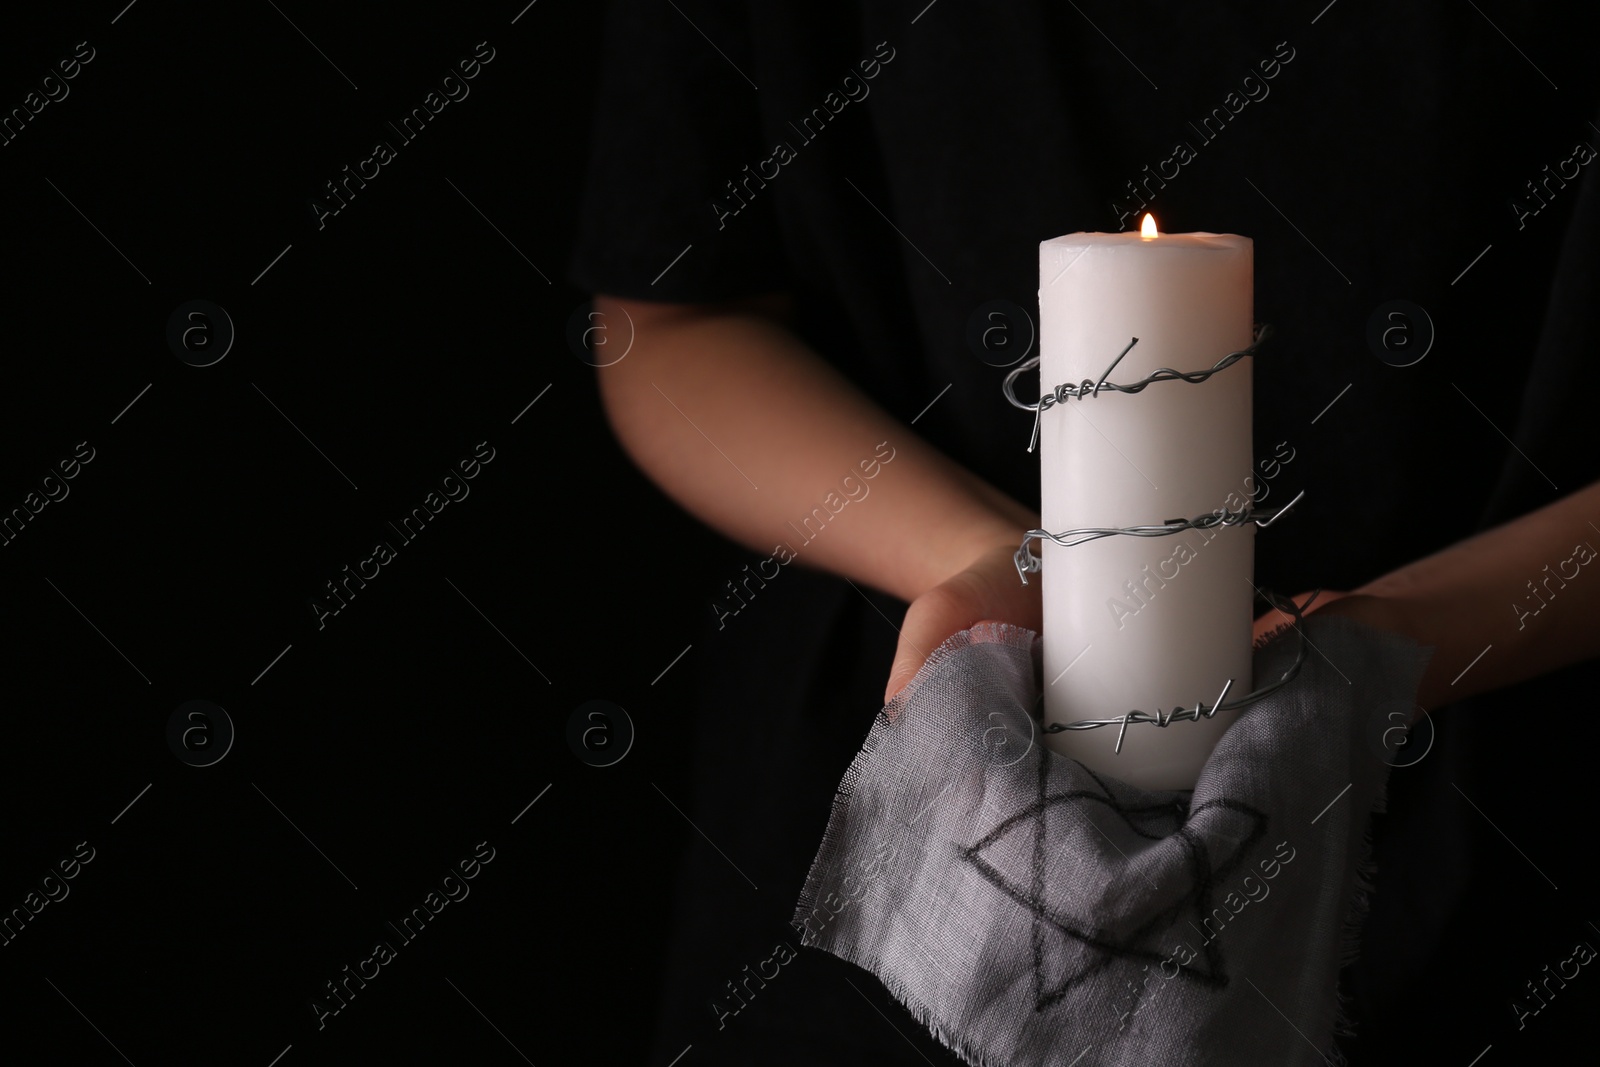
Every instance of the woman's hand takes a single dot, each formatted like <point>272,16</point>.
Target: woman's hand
<point>988,590</point>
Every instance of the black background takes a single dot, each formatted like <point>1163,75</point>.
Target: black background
<point>407,729</point>
<point>377,750</point>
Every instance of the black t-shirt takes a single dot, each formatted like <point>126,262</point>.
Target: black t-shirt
<point>895,166</point>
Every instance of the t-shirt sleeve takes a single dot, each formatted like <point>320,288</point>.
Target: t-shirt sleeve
<point>676,120</point>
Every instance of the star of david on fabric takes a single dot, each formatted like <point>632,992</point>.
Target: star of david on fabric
<point>1102,938</point>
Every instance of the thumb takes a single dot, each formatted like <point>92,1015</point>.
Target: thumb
<point>908,659</point>
<point>932,617</point>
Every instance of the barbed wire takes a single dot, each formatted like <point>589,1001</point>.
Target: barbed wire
<point>1091,387</point>
<point>1028,563</point>
<point>1200,710</point>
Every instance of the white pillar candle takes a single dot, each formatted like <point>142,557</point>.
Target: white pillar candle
<point>1145,623</point>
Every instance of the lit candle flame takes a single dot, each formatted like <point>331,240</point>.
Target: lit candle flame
<point>1148,227</point>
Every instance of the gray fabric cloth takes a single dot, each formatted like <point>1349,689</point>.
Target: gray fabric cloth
<point>1029,911</point>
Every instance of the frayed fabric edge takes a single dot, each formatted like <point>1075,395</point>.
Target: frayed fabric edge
<point>983,633</point>
<point>998,633</point>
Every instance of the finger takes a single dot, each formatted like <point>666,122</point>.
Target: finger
<point>932,617</point>
<point>907,661</point>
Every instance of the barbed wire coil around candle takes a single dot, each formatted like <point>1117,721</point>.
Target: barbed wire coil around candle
<point>1028,563</point>
<point>1090,387</point>
<point>1200,710</point>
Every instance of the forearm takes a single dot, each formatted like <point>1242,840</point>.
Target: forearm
<point>1527,591</point>
<point>736,419</point>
